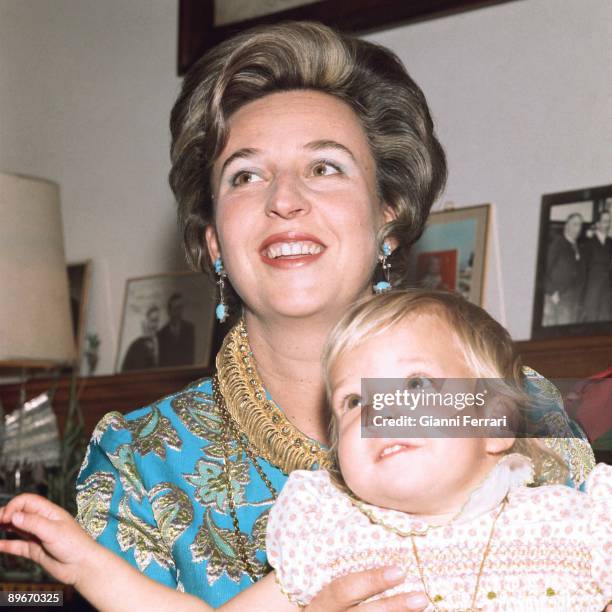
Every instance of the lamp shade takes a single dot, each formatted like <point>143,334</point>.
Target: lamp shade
<point>35,323</point>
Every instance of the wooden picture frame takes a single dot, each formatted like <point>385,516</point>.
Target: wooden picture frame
<point>202,25</point>
<point>452,252</point>
<point>79,281</point>
<point>573,292</point>
<point>167,322</point>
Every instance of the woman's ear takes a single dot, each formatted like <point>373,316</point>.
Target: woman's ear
<point>212,243</point>
<point>389,212</point>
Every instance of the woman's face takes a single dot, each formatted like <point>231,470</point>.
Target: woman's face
<point>296,205</point>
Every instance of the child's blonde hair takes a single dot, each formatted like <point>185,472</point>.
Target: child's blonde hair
<point>486,346</point>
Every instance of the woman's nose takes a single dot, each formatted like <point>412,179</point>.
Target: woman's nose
<point>287,199</point>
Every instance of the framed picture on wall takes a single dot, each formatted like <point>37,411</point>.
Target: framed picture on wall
<point>451,254</point>
<point>168,322</point>
<point>205,23</point>
<point>79,280</point>
<point>573,294</point>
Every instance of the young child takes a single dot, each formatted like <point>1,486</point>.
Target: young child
<point>454,513</point>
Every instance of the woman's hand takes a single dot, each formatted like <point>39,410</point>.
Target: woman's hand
<point>49,536</point>
<point>347,593</point>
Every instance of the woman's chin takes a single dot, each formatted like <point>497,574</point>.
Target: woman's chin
<point>302,305</point>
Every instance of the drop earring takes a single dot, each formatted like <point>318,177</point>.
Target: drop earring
<point>384,285</point>
<point>221,311</point>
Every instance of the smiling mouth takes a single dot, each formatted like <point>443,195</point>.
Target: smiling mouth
<point>292,249</point>
<point>396,449</point>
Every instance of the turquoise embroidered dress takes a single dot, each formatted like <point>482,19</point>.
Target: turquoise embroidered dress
<point>182,488</point>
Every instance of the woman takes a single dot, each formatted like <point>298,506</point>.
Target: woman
<point>299,158</point>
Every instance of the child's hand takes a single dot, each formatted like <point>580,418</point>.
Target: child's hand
<point>50,536</point>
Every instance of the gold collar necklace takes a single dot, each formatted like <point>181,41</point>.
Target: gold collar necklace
<point>267,429</point>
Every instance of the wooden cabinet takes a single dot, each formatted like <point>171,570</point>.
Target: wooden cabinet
<point>554,358</point>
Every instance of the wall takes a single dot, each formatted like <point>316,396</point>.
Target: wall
<point>522,97</point>
<point>86,89</point>
<point>521,94</point>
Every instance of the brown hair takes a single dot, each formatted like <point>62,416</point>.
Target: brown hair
<point>410,163</point>
<point>487,348</point>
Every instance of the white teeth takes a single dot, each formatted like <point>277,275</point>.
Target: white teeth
<point>390,449</point>
<point>280,249</point>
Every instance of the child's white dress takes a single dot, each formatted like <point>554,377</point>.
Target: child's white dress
<point>551,548</point>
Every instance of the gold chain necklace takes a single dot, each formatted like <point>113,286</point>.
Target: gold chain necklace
<point>231,433</point>
<point>487,549</point>
<point>256,427</point>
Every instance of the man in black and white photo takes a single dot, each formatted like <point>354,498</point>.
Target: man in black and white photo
<point>565,275</point>
<point>598,259</point>
<point>143,353</point>
<point>177,337</point>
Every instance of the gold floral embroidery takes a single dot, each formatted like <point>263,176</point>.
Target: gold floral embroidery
<point>152,433</point>
<point>577,453</point>
<point>259,530</point>
<point>210,483</point>
<point>172,509</point>
<point>198,412</point>
<point>123,460</point>
<point>145,539</point>
<point>111,419</point>
<point>221,549</point>
<point>93,502</point>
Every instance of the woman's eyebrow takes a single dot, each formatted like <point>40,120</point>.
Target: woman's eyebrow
<point>243,153</point>
<point>317,145</point>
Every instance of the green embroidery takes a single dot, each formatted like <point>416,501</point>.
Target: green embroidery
<point>93,502</point>
<point>145,539</point>
<point>152,433</point>
<point>214,450</point>
<point>220,547</point>
<point>172,509</point>
<point>199,414</point>
<point>211,484</point>
<point>123,460</point>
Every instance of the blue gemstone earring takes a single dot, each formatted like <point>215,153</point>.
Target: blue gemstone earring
<point>221,311</point>
<point>384,285</point>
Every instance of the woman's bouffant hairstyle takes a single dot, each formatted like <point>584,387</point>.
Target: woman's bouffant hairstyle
<point>410,163</point>
<point>486,347</point>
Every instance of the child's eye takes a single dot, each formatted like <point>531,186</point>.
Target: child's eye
<point>325,168</point>
<point>415,383</point>
<point>352,401</point>
<point>244,177</point>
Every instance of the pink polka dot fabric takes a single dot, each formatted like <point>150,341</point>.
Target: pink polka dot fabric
<point>551,549</point>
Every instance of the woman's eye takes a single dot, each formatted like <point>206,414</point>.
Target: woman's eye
<point>415,383</point>
<point>244,177</point>
<point>325,168</point>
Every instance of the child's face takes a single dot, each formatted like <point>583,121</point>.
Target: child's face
<point>428,476</point>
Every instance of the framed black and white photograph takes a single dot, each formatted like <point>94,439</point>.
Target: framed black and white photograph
<point>573,293</point>
<point>205,23</point>
<point>452,252</point>
<point>79,280</point>
<point>168,322</point>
